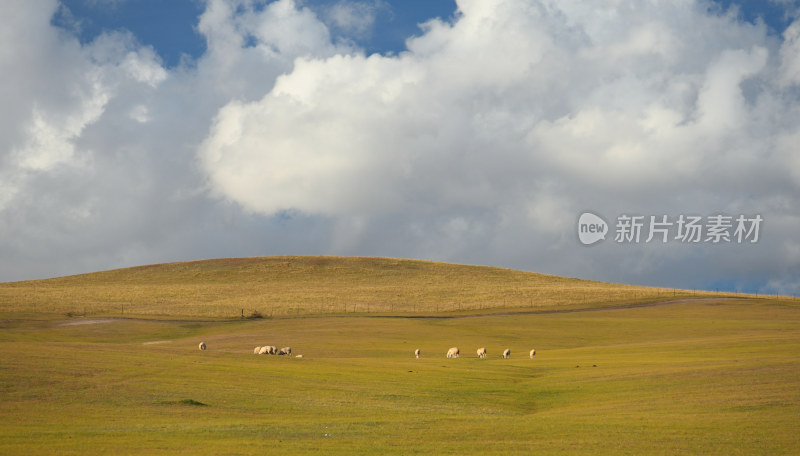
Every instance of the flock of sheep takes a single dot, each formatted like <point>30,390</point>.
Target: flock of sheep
<point>265,350</point>
<point>453,352</point>
<point>273,350</point>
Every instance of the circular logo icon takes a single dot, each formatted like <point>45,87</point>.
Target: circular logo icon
<point>591,228</point>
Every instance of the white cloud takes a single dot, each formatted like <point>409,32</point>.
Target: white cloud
<point>790,55</point>
<point>721,104</point>
<point>354,18</point>
<point>249,46</point>
<point>481,143</point>
<point>97,140</point>
<point>517,84</point>
<point>57,89</point>
<point>660,107</point>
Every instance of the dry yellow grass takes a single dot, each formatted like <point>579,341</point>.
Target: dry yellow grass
<point>701,377</point>
<point>294,285</point>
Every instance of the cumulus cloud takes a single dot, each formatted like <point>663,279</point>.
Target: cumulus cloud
<point>480,143</point>
<point>790,56</point>
<point>355,134</point>
<point>354,19</point>
<point>54,89</point>
<point>98,140</point>
<point>656,108</point>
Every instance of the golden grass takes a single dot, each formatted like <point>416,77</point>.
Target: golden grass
<point>295,285</point>
<point>706,377</point>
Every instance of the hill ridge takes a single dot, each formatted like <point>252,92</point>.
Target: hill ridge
<point>301,285</point>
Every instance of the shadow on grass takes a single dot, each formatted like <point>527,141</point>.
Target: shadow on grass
<point>190,402</point>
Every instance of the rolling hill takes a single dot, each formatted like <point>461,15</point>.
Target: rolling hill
<point>306,285</point>
<point>612,374</point>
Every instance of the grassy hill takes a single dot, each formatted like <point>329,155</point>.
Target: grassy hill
<point>715,376</point>
<point>279,286</point>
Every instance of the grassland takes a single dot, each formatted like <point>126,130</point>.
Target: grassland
<point>711,376</point>
<point>281,286</point>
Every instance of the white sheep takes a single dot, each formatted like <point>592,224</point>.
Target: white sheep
<point>256,350</point>
<point>272,350</point>
<point>263,350</point>
<point>453,352</point>
<point>482,352</point>
<point>285,351</point>
<point>507,353</point>
<point>533,353</point>
<point>202,346</point>
<point>416,353</point>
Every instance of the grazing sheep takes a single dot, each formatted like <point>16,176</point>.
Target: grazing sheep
<point>285,351</point>
<point>507,353</point>
<point>202,345</point>
<point>256,350</point>
<point>416,353</point>
<point>482,352</point>
<point>272,350</point>
<point>453,353</point>
<point>533,353</point>
<point>263,350</point>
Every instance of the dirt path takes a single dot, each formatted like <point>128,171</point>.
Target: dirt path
<point>562,311</point>
<point>88,321</point>
<point>94,321</point>
<point>627,306</point>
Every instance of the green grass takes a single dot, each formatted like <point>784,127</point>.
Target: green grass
<point>613,374</point>
<point>701,377</point>
<point>291,286</point>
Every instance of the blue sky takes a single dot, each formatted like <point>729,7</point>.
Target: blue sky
<point>141,131</point>
<point>169,26</point>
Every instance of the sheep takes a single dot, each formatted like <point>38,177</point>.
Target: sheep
<point>285,351</point>
<point>256,350</point>
<point>202,346</point>
<point>533,353</point>
<point>453,353</point>
<point>416,353</point>
<point>482,352</point>
<point>263,350</point>
<point>271,350</point>
<point>507,353</point>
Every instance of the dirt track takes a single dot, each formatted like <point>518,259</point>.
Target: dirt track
<point>90,321</point>
<point>559,311</point>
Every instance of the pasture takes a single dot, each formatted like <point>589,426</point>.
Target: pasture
<point>712,377</point>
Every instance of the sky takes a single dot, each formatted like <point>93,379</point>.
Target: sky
<point>471,131</point>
